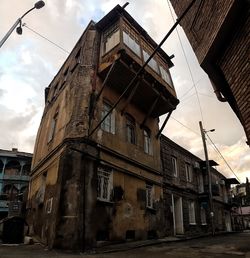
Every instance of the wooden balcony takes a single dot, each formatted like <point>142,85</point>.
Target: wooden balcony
<point>150,86</point>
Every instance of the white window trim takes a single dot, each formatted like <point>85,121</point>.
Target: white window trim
<point>107,173</point>
<point>174,166</point>
<point>191,213</point>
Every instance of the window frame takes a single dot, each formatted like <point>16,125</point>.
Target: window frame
<point>104,173</point>
<point>203,216</point>
<point>189,172</point>
<point>191,213</point>
<point>108,125</point>
<point>108,34</point>
<point>53,125</point>
<point>149,196</point>
<point>130,129</point>
<point>147,141</point>
<point>174,166</point>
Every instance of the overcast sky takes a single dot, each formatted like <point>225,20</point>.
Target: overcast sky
<point>28,63</point>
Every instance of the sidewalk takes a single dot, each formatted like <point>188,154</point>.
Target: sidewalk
<point>134,244</point>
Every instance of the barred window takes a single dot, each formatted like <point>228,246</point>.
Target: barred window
<point>104,184</point>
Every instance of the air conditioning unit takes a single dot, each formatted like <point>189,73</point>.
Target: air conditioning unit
<point>196,165</point>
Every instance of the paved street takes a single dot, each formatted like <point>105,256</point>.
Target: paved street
<point>230,245</point>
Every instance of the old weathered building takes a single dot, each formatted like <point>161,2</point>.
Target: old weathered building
<point>95,180</point>
<point>219,34</point>
<point>186,198</point>
<point>14,179</point>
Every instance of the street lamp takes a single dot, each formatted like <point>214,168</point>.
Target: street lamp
<point>37,5</point>
<point>203,132</point>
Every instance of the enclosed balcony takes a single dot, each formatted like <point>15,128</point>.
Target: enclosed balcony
<point>124,48</point>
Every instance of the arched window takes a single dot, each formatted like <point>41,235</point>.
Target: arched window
<point>26,169</point>
<point>147,140</point>
<point>130,129</point>
<point>12,168</point>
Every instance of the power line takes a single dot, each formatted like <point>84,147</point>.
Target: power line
<point>211,144</point>
<point>184,125</point>
<point>222,157</point>
<point>40,35</point>
<point>191,88</point>
<point>189,68</point>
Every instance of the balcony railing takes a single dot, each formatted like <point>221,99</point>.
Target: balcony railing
<point>16,177</point>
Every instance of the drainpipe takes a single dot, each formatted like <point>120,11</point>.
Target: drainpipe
<point>173,208</point>
<point>218,93</point>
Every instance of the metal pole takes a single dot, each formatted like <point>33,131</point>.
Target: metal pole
<point>209,176</point>
<point>10,31</point>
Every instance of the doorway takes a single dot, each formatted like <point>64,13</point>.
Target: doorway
<point>177,215</point>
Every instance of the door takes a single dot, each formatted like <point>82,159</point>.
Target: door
<point>228,222</point>
<point>178,215</point>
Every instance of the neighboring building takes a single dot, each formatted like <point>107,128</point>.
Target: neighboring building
<point>14,180</point>
<point>111,189</point>
<point>241,209</point>
<point>219,34</point>
<point>185,186</point>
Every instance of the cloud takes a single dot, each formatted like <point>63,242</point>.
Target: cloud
<point>28,63</point>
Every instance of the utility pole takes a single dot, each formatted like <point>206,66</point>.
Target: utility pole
<point>208,170</point>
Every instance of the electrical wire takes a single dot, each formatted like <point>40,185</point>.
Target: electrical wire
<point>222,156</point>
<point>189,68</point>
<point>211,144</point>
<point>40,35</point>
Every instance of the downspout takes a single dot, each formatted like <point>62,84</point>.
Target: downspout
<point>218,94</point>
<point>173,209</point>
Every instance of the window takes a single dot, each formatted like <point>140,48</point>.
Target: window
<point>49,203</point>
<point>111,38</point>
<point>130,127</point>
<point>131,43</point>
<point>149,196</point>
<point>104,184</point>
<point>108,125</point>
<point>174,166</point>
<point>191,210</point>
<point>53,127</point>
<point>201,183</point>
<point>165,76</point>
<point>203,216</point>
<point>152,63</point>
<point>147,141</point>
<point>189,172</point>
